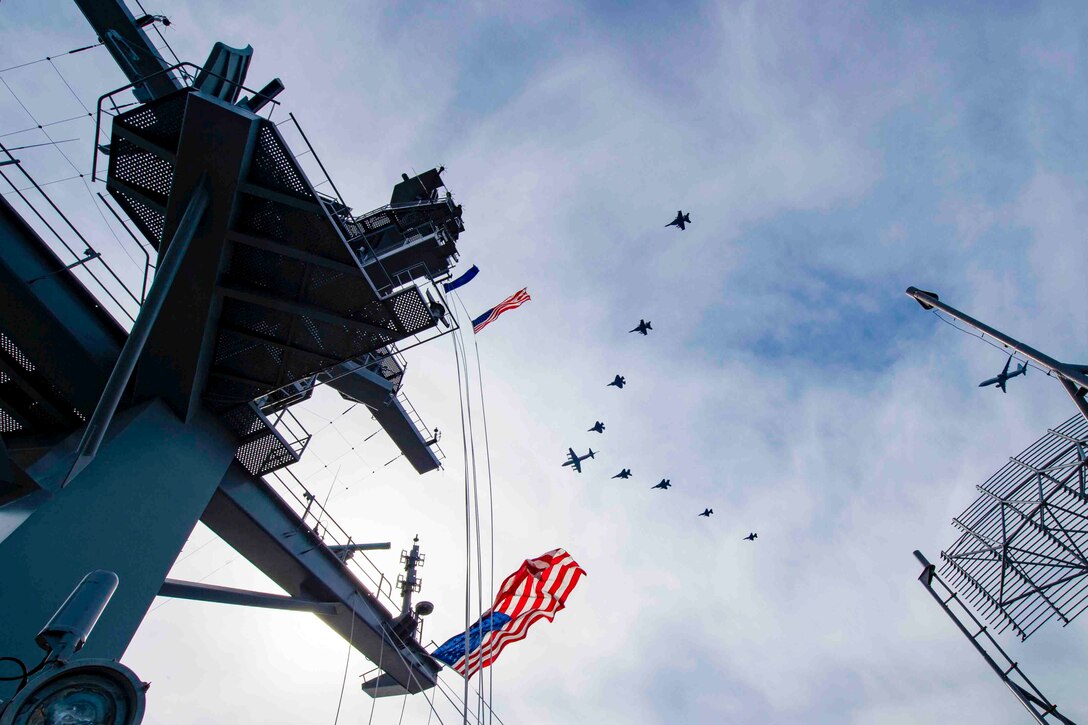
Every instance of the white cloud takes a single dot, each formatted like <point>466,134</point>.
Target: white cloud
<point>824,155</point>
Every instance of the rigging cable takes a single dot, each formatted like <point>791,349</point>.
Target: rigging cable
<point>451,689</point>
<point>81,176</point>
<point>167,600</point>
<point>374,695</point>
<point>321,513</point>
<point>197,549</point>
<point>165,42</point>
<point>412,677</point>
<point>44,125</point>
<point>454,700</point>
<point>50,58</point>
<point>490,501</point>
<point>38,145</point>
<point>491,712</point>
<point>982,336</point>
<point>476,509</point>
<point>468,524</point>
<point>351,645</point>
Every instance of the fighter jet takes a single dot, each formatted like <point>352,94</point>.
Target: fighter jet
<point>624,473</point>
<point>575,460</point>
<point>643,327</point>
<point>664,485</point>
<point>619,382</point>
<point>707,512</point>
<point>1004,375</point>
<point>751,537</point>
<point>680,220</point>
<point>598,427</point>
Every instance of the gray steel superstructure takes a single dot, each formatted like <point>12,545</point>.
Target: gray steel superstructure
<point>118,438</point>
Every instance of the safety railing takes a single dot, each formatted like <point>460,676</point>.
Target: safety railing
<point>290,430</point>
<point>448,199</point>
<point>292,490</point>
<point>421,427</point>
<point>89,266</point>
<point>317,519</point>
<point>187,81</point>
<point>317,159</point>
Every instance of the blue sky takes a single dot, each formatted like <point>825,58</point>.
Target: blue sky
<point>831,155</point>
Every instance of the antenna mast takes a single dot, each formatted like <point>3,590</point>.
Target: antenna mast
<point>1072,377</point>
<point>409,582</point>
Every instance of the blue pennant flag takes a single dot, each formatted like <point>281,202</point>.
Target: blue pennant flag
<point>464,279</point>
<point>454,648</point>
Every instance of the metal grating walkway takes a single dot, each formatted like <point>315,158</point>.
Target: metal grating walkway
<point>294,299</point>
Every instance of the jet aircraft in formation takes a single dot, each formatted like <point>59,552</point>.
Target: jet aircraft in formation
<point>643,328</point>
<point>573,459</point>
<point>1004,375</point>
<point>680,220</point>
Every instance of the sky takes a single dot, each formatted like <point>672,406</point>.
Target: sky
<point>830,155</point>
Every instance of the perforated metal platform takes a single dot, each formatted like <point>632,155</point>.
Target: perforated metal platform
<point>29,401</point>
<point>295,299</point>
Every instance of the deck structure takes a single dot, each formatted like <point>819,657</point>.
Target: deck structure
<point>118,436</point>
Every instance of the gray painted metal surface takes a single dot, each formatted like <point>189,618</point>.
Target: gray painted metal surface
<point>199,592</point>
<point>130,47</point>
<point>129,512</point>
<point>258,524</point>
<point>57,313</point>
<point>270,292</point>
<point>165,275</point>
<point>377,393</point>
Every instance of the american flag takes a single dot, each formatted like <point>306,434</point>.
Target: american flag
<point>515,300</point>
<point>537,590</point>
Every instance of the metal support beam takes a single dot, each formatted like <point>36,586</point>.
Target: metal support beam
<point>144,143</point>
<point>243,597</point>
<point>152,203</point>
<point>13,371</point>
<point>264,340</point>
<point>287,250</point>
<point>250,516</point>
<point>141,329</point>
<point>130,47</point>
<point>90,257</point>
<point>280,198</point>
<point>129,512</point>
<point>303,310</point>
<point>344,552</point>
<point>1041,709</point>
<point>266,385</point>
<point>1072,377</point>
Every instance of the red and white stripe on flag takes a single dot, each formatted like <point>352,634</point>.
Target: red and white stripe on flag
<point>537,590</point>
<point>513,301</point>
